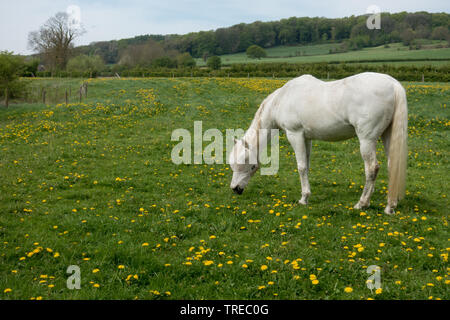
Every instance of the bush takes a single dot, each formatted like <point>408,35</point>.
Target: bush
<point>11,67</point>
<point>214,63</point>
<point>185,60</point>
<point>256,52</point>
<point>84,63</point>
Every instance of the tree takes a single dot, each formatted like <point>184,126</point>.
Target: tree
<point>84,63</point>
<point>11,67</point>
<point>214,63</point>
<point>407,37</point>
<point>256,52</point>
<point>185,60</point>
<point>55,40</point>
<point>145,54</point>
<point>440,33</point>
<point>31,67</point>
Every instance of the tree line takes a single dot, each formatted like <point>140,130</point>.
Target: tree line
<point>351,31</point>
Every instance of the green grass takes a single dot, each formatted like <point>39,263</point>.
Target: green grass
<point>74,180</point>
<point>320,53</point>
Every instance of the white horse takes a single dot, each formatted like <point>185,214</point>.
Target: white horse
<point>367,105</point>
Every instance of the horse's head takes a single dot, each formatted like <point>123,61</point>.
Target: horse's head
<point>244,163</point>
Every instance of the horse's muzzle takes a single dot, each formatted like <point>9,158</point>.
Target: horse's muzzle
<point>238,190</point>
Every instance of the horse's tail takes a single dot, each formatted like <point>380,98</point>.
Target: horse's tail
<point>398,149</point>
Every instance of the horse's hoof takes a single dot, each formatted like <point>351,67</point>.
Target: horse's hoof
<point>389,211</point>
<point>359,206</point>
<point>303,202</point>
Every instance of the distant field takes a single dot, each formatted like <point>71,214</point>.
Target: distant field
<point>320,53</point>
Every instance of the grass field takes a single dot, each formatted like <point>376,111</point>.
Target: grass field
<point>93,185</point>
<point>320,53</point>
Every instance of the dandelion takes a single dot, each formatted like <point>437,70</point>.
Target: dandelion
<point>348,289</point>
<point>378,291</point>
<point>208,262</point>
<point>264,267</point>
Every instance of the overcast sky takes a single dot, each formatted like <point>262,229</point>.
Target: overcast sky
<point>117,19</point>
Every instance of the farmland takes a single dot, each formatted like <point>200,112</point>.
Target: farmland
<point>92,184</point>
<point>396,54</point>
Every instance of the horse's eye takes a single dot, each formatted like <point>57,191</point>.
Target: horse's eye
<point>253,167</point>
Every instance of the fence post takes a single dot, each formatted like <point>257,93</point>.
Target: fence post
<point>85,89</point>
<point>43,96</point>
<point>423,77</point>
<point>6,98</point>
<point>81,93</point>
<point>67,98</point>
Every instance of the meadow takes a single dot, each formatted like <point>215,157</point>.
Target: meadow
<point>92,184</point>
<point>396,54</point>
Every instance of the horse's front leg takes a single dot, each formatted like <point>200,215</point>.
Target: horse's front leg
<point>302,149</point>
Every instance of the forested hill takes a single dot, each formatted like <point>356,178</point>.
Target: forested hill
<point>350,31</point>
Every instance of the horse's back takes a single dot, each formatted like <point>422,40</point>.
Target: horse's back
<point>336,110</point>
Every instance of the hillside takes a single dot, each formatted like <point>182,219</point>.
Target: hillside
<point>395,53</point>
<point>322,34</point>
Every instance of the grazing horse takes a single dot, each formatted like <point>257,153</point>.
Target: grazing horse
<point>367,105</point>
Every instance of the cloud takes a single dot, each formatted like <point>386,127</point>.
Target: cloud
<point>116,19</point>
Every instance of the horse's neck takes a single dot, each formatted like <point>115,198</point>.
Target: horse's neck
<point>258,134</point>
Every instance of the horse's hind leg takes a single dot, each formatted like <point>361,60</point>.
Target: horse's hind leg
<point>302,149</point>
<point>368,152</point>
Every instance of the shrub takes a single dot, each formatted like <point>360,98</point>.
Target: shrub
<point>11,67</point>
<point>214,63</point>
<point>256,52</point>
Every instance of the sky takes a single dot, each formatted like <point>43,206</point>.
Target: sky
<point>118,19</point>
